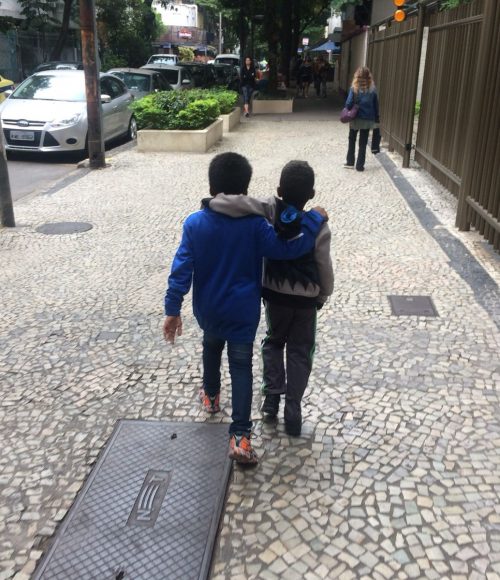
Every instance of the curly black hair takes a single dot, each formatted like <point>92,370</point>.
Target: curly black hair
<point>229,173</point>
<point>297,183</point>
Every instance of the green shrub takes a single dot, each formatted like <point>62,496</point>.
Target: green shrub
<point>417,108</point>
<point>174,110</point>
<point>227,100</point>
<point>198,114</point>
<point>148,113</point>
<point>186,54</point>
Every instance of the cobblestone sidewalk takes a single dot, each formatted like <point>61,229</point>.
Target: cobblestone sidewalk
<point>397,473</point>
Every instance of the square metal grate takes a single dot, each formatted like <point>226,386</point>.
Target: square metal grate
<point>412,306</point>
<point>150,508</point>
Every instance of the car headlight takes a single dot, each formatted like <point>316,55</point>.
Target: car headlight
<point>66,121</point>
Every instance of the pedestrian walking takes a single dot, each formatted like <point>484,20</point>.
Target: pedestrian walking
<point>323,73</point>
<point>248,78</point>
<point>363,95</point>
<point>306,76</point>
<point>317,65</point>
<point>222,257</point>
<point>293,291</point>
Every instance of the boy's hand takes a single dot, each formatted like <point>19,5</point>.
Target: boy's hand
<point>322,212</point>
<point>172,326</point>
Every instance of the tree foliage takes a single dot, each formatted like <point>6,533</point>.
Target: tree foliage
<point>126,30</point>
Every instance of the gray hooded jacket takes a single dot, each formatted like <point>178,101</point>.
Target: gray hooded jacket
<point>312,284</point>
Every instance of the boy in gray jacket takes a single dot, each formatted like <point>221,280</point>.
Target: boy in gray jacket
<point>293,291</point>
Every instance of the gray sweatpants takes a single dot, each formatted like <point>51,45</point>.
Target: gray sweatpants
<point>294,328</point>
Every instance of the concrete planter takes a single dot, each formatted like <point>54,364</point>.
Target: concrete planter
<point>279,107</point>
<point>200,141</point>
<point>231,120</point>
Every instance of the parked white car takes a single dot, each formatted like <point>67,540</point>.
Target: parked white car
<point>233,59</point>
<point>48,112</point>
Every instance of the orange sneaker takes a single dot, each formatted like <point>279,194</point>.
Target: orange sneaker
<point>241,450</point>
<point>210,404</point>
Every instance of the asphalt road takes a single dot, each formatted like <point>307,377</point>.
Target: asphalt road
<point>32,173</point>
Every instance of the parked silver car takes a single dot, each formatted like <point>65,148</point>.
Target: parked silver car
<point>176,76</point>
<point>48,112</point>
<point>141,82</point>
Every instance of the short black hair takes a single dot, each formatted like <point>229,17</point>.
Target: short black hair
<point>297,183</point>
<point>229,173</point>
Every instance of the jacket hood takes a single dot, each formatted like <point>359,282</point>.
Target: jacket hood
<point>237,206</point>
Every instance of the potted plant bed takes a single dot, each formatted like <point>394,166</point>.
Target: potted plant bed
<point>186,140</point>
<point>186,121</point>
<point>231,120</point>
<point>272,103</point>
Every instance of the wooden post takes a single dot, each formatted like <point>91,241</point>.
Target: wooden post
<point>92,84</point>
<point>414,81</point>
<point>6,207</point>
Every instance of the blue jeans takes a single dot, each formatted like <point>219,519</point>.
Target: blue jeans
<point>240,369</point>
<point>247,93</point>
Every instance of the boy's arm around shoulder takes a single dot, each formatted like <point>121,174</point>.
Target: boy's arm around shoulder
<point>273,247</point>
<point>322,255</point>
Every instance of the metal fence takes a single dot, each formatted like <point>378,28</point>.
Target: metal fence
<point>389,53</point>
<point>450,70</point>
<point>457,139</point>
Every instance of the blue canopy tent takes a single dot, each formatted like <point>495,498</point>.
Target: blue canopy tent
<point>327,46</point>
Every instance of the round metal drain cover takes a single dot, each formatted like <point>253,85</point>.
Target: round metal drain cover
<point>60,228</point>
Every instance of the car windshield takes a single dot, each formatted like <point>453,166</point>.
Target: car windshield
<point>134,81</point>
<point>161,59</point>
<point>51,88</point>
<point>172,75</point>
<point>228,60</point>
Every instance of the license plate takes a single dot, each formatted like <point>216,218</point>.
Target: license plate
<point>22,135</point>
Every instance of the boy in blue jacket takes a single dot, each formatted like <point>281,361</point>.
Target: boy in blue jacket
<point>222,257</point>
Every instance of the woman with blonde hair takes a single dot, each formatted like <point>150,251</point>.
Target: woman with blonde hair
<point>363,94</point>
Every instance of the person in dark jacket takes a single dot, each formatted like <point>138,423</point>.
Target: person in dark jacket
<point>222,257</point>
<point>363,94</point>
<point>293,291</point>
<point>248,78</point>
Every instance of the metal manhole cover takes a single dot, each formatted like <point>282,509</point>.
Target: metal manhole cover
<point>412,306</point>
<point>60,228</point>
<point>150,508</point>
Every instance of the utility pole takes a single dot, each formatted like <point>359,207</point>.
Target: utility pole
<point>220,32</point>
<point>6,208</point>
<point>92,85</point>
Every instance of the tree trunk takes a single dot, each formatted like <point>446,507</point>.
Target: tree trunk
<point>63,33</point>
<point>295,37</point>
<point>286,39</point>
<point>272,34</point>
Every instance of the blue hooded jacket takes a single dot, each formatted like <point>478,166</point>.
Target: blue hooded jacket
<point>223,258</point>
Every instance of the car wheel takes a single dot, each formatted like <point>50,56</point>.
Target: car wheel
<point>132,129</point>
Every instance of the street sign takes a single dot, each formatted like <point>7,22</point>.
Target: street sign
<point>305,42</point>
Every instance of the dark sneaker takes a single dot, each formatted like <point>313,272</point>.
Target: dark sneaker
<point>375,151</point>
<point>241,450</point>
<point>348,166</point>
<point>210,404</point>
<point>270,406</point>
<point>293,418</point>
<point>293,428</point>
<point>360,168</point>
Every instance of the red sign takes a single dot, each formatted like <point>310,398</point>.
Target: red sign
<point>184,33</point>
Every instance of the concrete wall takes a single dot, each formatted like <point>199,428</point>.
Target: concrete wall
<point>354,53</point>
